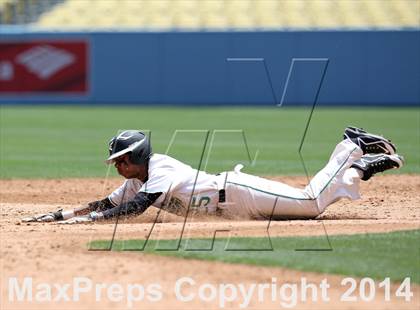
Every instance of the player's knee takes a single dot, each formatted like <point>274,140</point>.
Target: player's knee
<point>312,210</point>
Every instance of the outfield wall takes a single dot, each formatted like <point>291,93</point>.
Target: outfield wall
<point>189,68</point>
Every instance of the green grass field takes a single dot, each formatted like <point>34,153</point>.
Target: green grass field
<point>394,255</point>
<point>51,142</point>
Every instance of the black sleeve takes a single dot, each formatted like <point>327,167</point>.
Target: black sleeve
<point>100,205</point>
<point>138,205</point>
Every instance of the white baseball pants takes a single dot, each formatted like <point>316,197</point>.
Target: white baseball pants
<point>255,197</point>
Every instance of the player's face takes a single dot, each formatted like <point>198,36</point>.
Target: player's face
<point>127,169</point>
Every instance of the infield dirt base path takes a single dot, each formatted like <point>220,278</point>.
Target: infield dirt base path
<point>51,253</point>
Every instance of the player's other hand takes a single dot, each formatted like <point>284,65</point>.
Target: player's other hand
<point>76,220</point>
<point>92,216</point>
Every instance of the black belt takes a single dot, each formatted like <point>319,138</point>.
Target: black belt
<point>222,196</point>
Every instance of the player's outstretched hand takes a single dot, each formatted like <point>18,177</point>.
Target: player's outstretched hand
<point>45,217</point>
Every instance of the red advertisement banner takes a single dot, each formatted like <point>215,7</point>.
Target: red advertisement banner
<point>44,67</point>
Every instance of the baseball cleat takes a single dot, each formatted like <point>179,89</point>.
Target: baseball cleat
<point>369,143</point>
<point>371,164</point>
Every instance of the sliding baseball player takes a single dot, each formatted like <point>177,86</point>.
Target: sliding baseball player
<point>166,183</point>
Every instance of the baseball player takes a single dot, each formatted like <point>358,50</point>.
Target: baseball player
<point>166,183</point>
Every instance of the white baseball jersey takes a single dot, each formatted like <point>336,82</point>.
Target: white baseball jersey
<point>176,181</point>
<point>247,196</point>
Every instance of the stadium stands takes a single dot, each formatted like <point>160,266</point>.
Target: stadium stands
<point>212,14</point>
<point>24,11</point>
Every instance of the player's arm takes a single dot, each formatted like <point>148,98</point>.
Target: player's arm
<point>99,205</point>
<point>137,205</point>
<point>61,215</point>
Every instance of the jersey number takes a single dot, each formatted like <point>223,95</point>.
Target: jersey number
<point>204,201</point>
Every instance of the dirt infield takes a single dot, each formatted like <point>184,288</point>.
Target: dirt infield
<point>56,253</point>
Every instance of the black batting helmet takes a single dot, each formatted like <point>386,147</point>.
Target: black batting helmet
<point>130,141</point>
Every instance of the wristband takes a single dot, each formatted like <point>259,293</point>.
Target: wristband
<point>96,215</point>
<point>67,214</point>
<point>58,215</point>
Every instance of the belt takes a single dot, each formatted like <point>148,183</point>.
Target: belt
<point>222,196</point>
